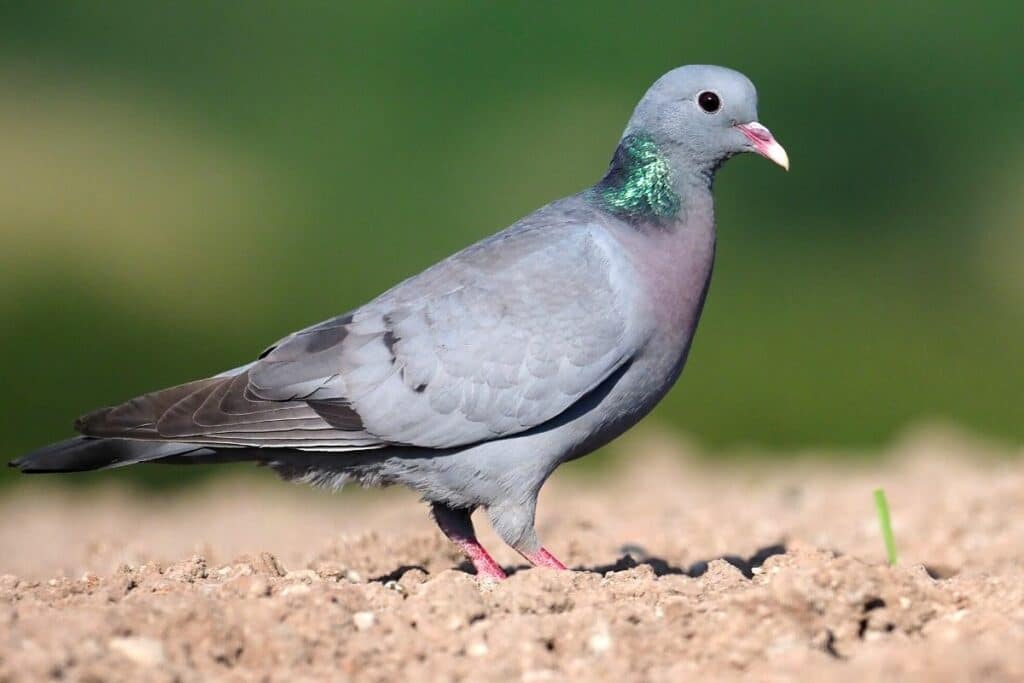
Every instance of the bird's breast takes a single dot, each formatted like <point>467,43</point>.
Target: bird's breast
<point>671,272</point>
<point>673,269</point>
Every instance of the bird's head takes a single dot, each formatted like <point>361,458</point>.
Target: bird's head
<point>702,115</point>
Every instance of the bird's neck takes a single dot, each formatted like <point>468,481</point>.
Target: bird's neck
<point>642,186</point>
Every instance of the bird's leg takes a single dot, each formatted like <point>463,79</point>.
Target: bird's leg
<point>514,523</point>
<point>542,558</point>
<point>457,525</point>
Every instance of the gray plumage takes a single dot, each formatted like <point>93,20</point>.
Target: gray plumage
<point>473,380</point>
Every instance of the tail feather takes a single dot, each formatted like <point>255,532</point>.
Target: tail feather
<point>84,453</point>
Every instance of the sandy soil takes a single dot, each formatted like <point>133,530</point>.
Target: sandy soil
<point>737,572</point>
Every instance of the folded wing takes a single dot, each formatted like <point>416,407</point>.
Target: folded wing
<point>496,340</point>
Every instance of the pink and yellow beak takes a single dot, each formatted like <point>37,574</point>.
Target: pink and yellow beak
<point>765,143</point>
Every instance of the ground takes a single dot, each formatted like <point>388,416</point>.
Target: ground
<point>752,570</point>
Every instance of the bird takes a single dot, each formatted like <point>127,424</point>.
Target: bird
<point>472,381</point>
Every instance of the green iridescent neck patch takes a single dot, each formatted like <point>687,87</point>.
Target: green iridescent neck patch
<point>638,184</point>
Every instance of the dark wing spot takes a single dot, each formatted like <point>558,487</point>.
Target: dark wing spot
<point>390,340</point>
<point>338,414</point>
<point>324,338</point>
<point>420,388</point>
<point>318,338</point>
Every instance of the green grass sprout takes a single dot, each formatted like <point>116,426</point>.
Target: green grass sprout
<point>882,505</point>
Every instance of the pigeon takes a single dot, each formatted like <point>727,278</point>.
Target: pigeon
<point>471,382</point>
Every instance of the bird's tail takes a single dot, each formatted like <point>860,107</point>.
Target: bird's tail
<point>84,453</point>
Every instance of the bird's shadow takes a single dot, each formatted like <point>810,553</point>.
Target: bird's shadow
<point>636,556</point>
<point>632,556</point>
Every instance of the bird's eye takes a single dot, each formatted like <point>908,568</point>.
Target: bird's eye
<point>709,101</point>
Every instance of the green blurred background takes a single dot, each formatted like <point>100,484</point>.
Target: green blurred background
<point>182,183</point>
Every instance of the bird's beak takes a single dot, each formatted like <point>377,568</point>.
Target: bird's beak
<point>765,143</point>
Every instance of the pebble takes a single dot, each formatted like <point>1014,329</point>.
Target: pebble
<point>296,589</point>
<point>600,642</point>
<point>364,620</point>
<point>141,650</point>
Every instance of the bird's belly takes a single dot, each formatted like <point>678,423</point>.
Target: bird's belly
<point>639,389</point>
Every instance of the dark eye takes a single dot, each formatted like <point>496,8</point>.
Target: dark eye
<point>709,101</point>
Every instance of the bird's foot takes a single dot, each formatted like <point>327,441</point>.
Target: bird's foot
<point>457,525</point>
<point>486,568</point>
<point>542,558</point>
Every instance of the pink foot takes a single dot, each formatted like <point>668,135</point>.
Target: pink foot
<point>542,558</point>
<point>486,568</point>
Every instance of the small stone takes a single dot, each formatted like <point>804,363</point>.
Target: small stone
<point>412,578</point>
<point>477,648</point>
<point>600,642</point>
<point>330,571</point>
<point>141,650</point>
<point>295,589</point>
<point>267,564</point>
<point>189,571</point>
<point>364,621</point>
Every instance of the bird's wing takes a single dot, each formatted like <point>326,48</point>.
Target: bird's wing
<point>495,340</point>
<point>491,342</point>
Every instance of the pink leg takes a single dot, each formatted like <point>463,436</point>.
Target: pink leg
<point>542,558</point>
<point>486,567</point>
<point>458,526</point>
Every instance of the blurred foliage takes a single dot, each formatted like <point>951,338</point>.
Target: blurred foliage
<point>182,183</point>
